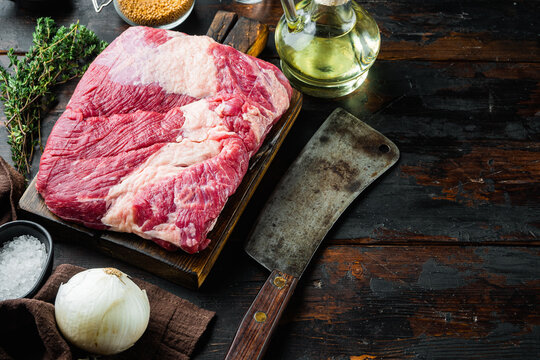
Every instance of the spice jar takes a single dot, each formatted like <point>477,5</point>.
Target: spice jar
<point>164,14</point>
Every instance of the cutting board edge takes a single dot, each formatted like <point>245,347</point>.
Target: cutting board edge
<point>94,240</point>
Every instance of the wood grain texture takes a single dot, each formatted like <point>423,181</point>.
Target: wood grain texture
<point>468,135</point>
<point>388,302</point>
<point>424,30</point>
<point>415,303</point>
<point>257,326</point>
<point>248,36</point>
<point>221,25</point>
<point>457,88</point>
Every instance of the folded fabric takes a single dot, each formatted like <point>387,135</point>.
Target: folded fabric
<point>29,329</point>
<point>11,189</point>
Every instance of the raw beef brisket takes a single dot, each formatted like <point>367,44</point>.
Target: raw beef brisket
<point>158,135</point>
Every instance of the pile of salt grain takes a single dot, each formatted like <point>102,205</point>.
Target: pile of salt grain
<point>21,263</point>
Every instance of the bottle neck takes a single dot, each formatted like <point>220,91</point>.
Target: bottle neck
<point>331,2</point>
<point>336,14</point>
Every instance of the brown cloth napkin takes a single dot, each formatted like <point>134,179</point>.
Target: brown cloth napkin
<point>28,328</point>
<point>11,189</point>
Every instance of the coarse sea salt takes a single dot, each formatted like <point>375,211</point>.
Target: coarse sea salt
<point>21,263</point>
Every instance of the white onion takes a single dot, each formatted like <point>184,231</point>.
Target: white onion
<point>102,311</point>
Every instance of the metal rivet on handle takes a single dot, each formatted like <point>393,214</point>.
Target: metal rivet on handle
<point>279,282</point>
<point>259,317</point>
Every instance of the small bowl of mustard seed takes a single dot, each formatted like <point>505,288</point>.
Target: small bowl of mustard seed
<point>163,14</point>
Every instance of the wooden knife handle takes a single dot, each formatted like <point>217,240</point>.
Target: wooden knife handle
<point>262,317</point>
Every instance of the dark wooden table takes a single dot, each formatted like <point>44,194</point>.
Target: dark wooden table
<point>438,259</point>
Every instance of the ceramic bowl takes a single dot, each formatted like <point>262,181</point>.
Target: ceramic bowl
<point>23,227</point>
<point>170,25</point>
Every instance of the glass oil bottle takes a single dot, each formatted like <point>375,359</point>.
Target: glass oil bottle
<point>326,46</point>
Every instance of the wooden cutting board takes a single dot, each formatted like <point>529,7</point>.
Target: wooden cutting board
<point>248,36</point>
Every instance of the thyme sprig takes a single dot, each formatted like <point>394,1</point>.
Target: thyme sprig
<point>58,54</point>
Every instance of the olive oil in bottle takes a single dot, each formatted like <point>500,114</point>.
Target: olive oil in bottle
<point>327,47</point>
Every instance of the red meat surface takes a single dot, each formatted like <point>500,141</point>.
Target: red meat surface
<point>158,134</point>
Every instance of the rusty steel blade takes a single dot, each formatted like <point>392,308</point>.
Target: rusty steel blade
<point>343,157</point>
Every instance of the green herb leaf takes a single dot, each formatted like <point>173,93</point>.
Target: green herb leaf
<point>58,54</point>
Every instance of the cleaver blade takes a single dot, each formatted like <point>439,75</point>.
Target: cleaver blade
<point>343,157</point>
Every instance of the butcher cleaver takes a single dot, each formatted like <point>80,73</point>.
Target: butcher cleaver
<point>343,157</point>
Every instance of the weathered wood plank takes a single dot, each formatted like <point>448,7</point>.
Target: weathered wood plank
<point>246,35</point>
<point>469,169</point>
<point>221,25</point>
<point>459,31</point>
<point>467,122</point>
<point>498,31</point>
<point>436,302</point>
<point>415,303</point>
<point>249,36</point>
<point>470,160</point>
<point>462,47</point>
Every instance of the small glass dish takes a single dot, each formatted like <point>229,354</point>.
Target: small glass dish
<point>170,25</point>
<point>13,229</point>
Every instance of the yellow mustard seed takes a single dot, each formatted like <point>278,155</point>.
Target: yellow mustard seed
<point>154,12</point>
